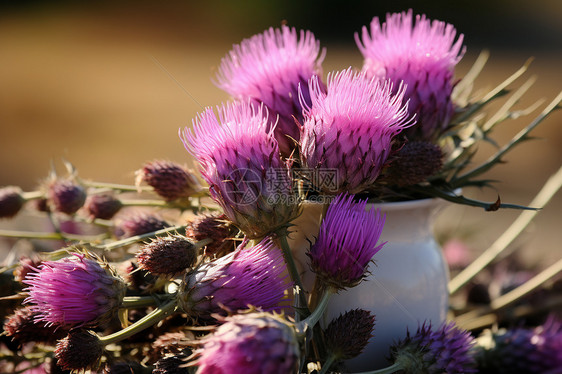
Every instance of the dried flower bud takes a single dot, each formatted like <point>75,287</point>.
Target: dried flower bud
<point>216,227</point>
<point>66,196</point>
<point>139,224</point>
<point>80,350</point>
<point>11,201</point>
<point>414,163</point>
<point>171,365</point>
<point>41,204</point>
<point>23,328</point>
<point>103,206</point>
<point>168,256</point>
<point>169,180</point>
<point>170,343</point>
<point>343,344</point>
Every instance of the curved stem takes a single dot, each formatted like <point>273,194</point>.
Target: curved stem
<point>49,235</point>
<point>150,319</point>
<point>115,186</point>
<point>311,320</point>
<point>138,238</point>
<point>131,302</point>
<point>387,370</point>
<point>327,364</point>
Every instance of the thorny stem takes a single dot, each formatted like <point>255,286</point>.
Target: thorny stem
<point>150,319</point>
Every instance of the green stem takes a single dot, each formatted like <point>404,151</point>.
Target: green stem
<point>49,235</point>
<point>327,364</point>
<point>294,273</point>
<point>131,302</point>
<point>311,320</point>
<point>138,238</point>
<point>150,319</point>
<point>387,370</point>
<point>114,186</point>
<point>33,195</point>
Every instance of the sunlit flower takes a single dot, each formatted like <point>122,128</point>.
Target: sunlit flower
<point>349,129</point>
<point>423,55</point>
<point>268,68</point>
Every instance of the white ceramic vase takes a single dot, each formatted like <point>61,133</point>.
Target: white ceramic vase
<point>407,284</point>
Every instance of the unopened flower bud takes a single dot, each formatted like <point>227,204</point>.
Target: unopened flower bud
<point>215,227</point>
<point>168,255</point>
<point>26,265</point>
<point>139,224</point>
<point>343,344</point>
<point>103,206</point>
<point>66,196</point>
<point>22,328</point>
<point>80,350</point>
<point>169,180</point>
<point>11,201</point>
<point>414,163</point>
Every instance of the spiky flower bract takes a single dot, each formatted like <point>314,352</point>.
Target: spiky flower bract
<point>138,224</point>
<point>268,68</point>
<point>252,343</point>
<point>347,242</point>
<point>348,335</point>
<point>66,196</point>
<point>522,350</point>
<point>22,327</point>
<point>422,55</point>
<point>239,159</point>
<point>168,255</point>
<point>80,350</point>
<point>169,180</point>
<point>102,206</point>
<point>445,350</point>
<point>74,291</point>
<point>249,276</point>
<point>212,226</point>
<point>349,129</point>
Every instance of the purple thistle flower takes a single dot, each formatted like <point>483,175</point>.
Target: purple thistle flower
<point>239,159</point>
<point>252,343</point>
<point>350,128</point>
<point>446,350</point>
<point>347,241</point>
<point>423,55</point>
<point>268,68</point>
<point>74,291</point>
<point>522,350</point>
<point>250,276</point>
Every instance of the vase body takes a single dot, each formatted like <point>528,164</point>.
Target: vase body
<point>406,286</point>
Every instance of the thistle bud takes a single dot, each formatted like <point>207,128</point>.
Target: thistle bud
<point>26,266</point>
<point>139,224</point>
<point>11,201</point>
<point>65,196</point>
<point>74,291</point>
<point>168,255</point>
<point>414,163</point>
<point>80,350</point>
<point>23,328</point>
<point>102,206</point>
<point>343,344</point>
<point>169,180</point>
<point>215,227</point>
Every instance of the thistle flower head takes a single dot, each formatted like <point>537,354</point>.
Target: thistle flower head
<point>252,343</point>
<point>240,160</point>
<point>268,68</point>
<point>169,180</point>
<point>11,201</point>
<point>423,55</point>
<point>168,255</point>
<point>138,224</point>
<point>348,335</point>
<point>212,226</point>
<point>102,206</point>
<point>66,196</point>
<point>249,276</point>
<point>80,350</point>
<point>444,350</point>
<point>350,128</point>
<point>74,291</point>
<point>346,243</point>
<point>522,350</point>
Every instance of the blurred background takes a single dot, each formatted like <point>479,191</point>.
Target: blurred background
<point>107,84</point>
